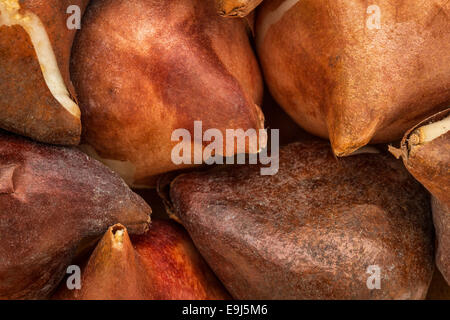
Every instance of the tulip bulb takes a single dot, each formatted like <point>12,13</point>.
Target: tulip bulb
<point>163,264</point>
<point>37,98</point>
<point>355,72</point>
<point>54,203</point>
<point>140,79</point>
<point>425,151</point>
<point>353,228</point>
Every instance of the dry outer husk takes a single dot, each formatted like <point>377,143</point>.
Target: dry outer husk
<point>236,8</point>
<point>341,77</point>
<point>428,160</point>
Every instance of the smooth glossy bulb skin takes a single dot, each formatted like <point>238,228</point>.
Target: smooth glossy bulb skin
<point>175,63</point>
<point>162,264</point>
<point>355,72</point>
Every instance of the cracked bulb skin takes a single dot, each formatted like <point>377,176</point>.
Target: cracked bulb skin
<point>313,230</point>
<point>54,201</point>
<point>174,63</point>
<point>425,150</point>
<point>236,8</point>
<point>37,98</point>
<point>343,76</point>
<point>161,264</point>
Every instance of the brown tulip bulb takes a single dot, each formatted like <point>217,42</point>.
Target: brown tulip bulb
<point>54,202</point>
<point>139,79</point>
<point>37,98</point>
<point>321,228</point>
<point>353,71</point>
<point>425,151</point>
<point>162,264</point>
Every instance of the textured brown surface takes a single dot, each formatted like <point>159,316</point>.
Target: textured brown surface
<point>430,164</point>
<point>341,80</point>
<point>173,63</point>
<point>162,264</point>
<point>27,106</point>
<point>312,230</point>
<point>236,8</point>
<point>52,202</point>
